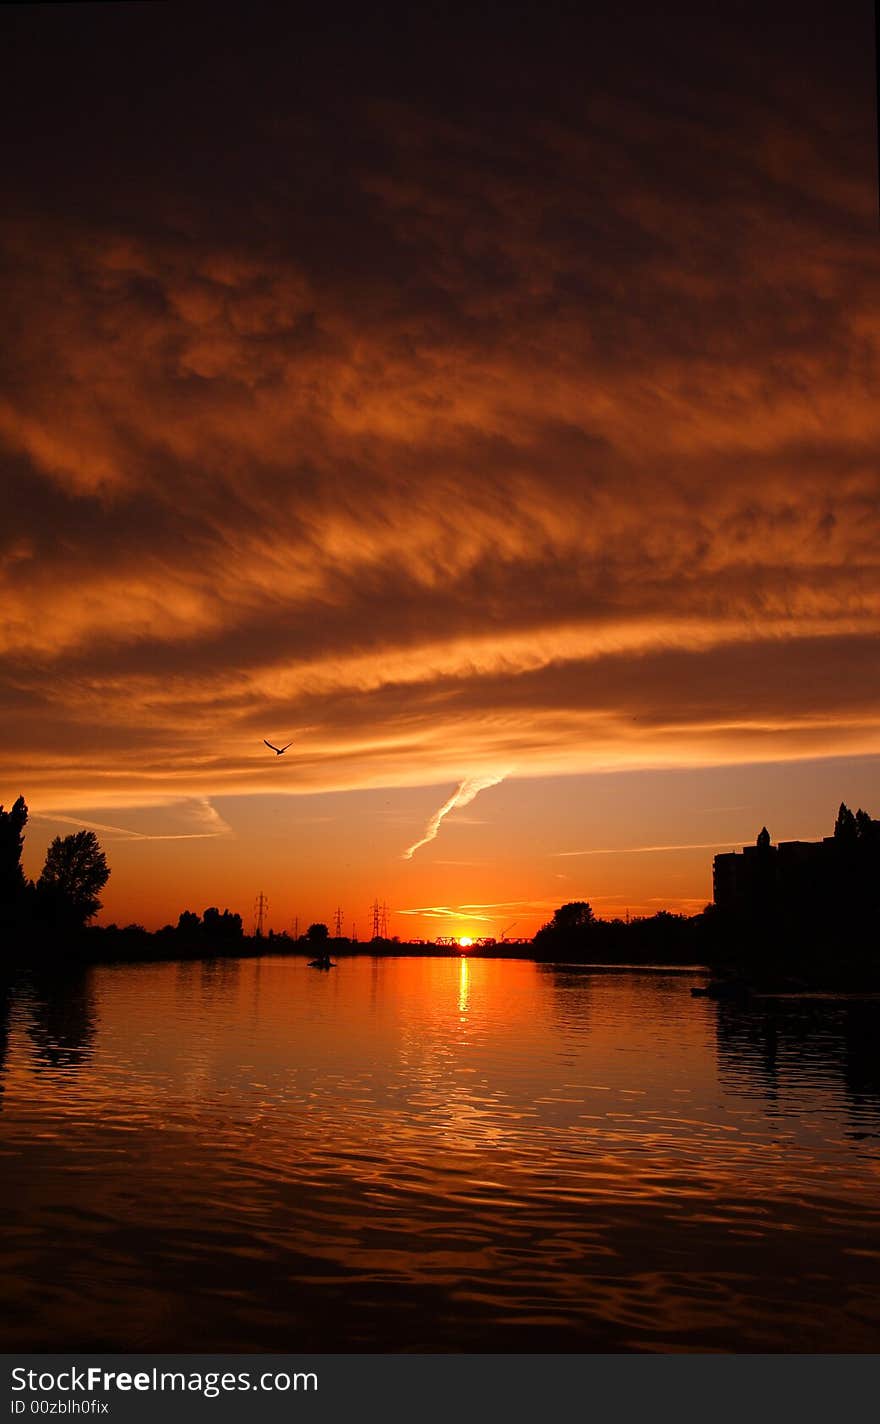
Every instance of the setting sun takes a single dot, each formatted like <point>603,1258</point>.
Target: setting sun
<point>438,483</point>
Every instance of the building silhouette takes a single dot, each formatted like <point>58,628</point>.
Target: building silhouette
<point>796,874</point>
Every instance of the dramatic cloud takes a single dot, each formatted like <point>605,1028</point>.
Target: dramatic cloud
<point>438,405</point>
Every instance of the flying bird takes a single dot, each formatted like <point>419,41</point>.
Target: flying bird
<point>279,751</point>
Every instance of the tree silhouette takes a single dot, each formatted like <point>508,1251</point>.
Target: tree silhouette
<point>75,871</point>
<point>12,881</point>
<point>845,826</point>
<point>221,928</point>
<point>576,915</point>
<point>318,935</point>
<point>566,932</point>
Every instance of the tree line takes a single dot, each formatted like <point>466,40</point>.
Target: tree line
<point>804,913</point>
<point>54,911</point>
<point>575,933</point>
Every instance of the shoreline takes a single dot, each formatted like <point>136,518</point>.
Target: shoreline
<point>67,961</point>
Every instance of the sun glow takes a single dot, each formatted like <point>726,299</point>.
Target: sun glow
<point>465,941</point>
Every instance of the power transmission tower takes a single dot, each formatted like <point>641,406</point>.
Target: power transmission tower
<point>261,906</point>
<point>296,926</point>
<point>384,920</point>
<point>375,909</point>
<point>338,923</point>
<point>354,932</point>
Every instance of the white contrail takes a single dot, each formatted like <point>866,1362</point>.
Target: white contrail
<point>463,796</point>
<point>200,807</point>
<point>210,816</point>
<point>642,850</point>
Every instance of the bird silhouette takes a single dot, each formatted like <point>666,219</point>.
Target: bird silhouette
<point>277,750</point>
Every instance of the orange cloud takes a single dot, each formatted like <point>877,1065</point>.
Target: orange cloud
<point>549,442</point>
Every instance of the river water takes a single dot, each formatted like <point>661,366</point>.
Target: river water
<point>434,1154</point>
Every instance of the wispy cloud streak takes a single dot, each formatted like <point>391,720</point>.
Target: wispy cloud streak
<point>468,911</point>
<point>202,809</point>
<point>442,912</point>
<point>464,794</point>
<point>645,849</point>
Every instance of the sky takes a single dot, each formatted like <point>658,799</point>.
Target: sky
<point>484,399</point>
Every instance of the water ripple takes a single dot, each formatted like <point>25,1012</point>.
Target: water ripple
<point>263,1158</point>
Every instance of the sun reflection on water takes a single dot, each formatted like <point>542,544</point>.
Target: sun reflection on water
<point>463,985</point>
<point>529,1156</point>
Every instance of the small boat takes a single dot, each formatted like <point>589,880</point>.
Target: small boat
<point>322,964</point>
<point>721,989</point>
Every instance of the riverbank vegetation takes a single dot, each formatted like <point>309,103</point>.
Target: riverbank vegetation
<point>791,930</point>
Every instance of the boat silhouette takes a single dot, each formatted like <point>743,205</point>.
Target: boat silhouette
<point>721,989</point>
